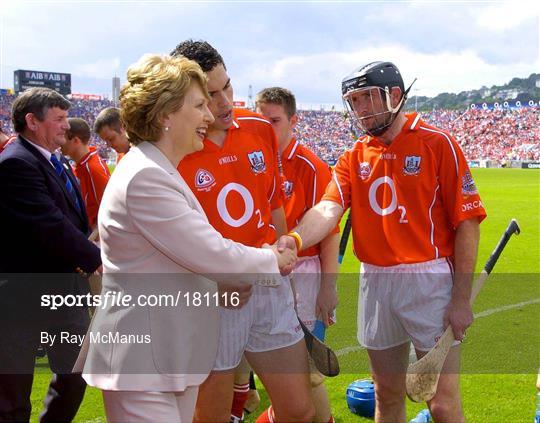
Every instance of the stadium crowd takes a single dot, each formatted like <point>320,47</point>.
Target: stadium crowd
<point>500,135</point>
<point>84,109</point>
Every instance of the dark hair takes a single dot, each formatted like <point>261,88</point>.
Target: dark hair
<point>201,52</point>
<point>36,101</point>
<point>78,128</point>
<point>279,96</point>
<point>108,117</point>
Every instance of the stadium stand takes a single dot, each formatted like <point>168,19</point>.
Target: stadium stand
<point>493,134</point>
<point>85,109</point>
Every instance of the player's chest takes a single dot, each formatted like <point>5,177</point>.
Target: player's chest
<point>211,171</point>
<point>411,170</point>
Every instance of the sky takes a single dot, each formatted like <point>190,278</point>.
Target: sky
<point>308,47</point>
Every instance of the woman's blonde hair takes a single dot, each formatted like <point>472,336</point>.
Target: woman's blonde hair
<point>156,86</point>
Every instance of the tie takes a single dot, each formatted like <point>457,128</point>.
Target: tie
<point>60,171</point>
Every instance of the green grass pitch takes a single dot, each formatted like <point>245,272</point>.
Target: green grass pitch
<point>501,355</point>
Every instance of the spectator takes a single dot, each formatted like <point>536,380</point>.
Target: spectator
<point>497,134</point>
<point>91,170</point>
<point>110,129</point>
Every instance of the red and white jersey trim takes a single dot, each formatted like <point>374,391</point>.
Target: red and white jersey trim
<point>432,223</point>
<point>449,143</point>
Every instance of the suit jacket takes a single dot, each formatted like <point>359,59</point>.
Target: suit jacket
<point>156,239</point>
<point>42,229</point>
<point>44,239</point>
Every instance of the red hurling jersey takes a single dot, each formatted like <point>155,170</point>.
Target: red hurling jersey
<point>407,198</point>
<point>238,185</point>
<point>93,175</point>
<point>306,177</point>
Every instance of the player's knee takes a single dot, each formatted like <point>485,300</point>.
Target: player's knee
<point>445,408</point>
<point>299,413</point>
<point>444,412</point>
<point>389,395</point>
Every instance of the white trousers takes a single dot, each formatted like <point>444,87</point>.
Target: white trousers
<point>158,407</point>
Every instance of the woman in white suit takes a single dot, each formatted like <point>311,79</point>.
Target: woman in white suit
<point>156,243</point>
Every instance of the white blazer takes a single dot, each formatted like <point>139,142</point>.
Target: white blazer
<point>156,239</point>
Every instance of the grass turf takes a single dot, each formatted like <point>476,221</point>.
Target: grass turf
<point>502,352</point>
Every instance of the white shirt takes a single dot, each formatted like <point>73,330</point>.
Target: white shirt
<point>46,153</point>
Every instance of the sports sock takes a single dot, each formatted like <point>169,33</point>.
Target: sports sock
<point>239,399</point>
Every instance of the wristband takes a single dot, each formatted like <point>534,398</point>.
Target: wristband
<point>297,239</point>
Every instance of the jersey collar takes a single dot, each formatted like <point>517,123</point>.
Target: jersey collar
<point>87,156</point>
<point>290,150</point>
<point>211,146</point>
<point>235,122</point>
<point>412,123</point>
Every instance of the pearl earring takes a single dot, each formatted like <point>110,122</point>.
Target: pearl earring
<point>166,128</point>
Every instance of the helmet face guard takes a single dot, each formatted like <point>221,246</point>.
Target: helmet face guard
<point>371,109</point>
<point>367,96</point>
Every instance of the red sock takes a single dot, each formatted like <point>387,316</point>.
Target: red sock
<point>239,399</point>
<point>267,416</point>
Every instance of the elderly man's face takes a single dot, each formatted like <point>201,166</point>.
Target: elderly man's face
<point>50,132</point>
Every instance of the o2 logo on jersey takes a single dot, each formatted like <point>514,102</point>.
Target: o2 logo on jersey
<point>390,208</point>
<point>249,206</point>
<point>256,159</point>
<point>204,180</point>
<point>412,165</point>
<point>364,170</point>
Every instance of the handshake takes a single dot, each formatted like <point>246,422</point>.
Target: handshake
<point>286,251</point>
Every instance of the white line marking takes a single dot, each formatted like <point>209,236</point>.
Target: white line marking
<point>348,350</point>
<point>504,308</point>
<point>489,312</point>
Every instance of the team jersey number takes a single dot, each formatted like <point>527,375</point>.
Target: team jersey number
<point>249,207</point>
<point>393,206</point>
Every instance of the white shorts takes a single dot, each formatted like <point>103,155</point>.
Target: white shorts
<point>267,322</point>
<point>136,406</point>
<point>403,303</point>
<point>306,280</point>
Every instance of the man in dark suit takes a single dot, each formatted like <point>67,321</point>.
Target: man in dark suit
<point>44,232</point>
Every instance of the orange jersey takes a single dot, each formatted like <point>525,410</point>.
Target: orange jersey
<point>238,185</point>
<point>306,177</point>
<point>407,198</point>
<point>93,175</point>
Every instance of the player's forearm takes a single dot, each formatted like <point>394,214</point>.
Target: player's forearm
<point>318,222</point>
<point>329,259</point>
<point>279,221</point>
<point>465,253</point>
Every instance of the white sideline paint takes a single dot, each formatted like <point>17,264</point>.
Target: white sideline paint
<point>504,308</point>
<point>489,312</point>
